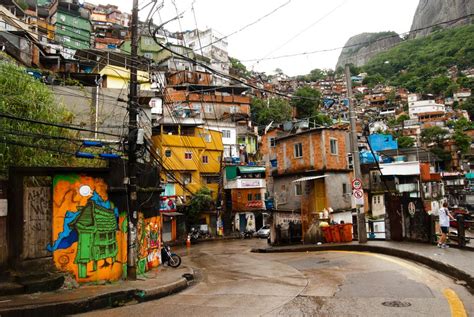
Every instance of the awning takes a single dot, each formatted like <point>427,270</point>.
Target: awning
<point>308,178</point>
<point>251,169</point>
<point>470,175</point>
<point>171,214</point>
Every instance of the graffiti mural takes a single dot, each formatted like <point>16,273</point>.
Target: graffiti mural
<point>89,233</point>
<point>148,231</point>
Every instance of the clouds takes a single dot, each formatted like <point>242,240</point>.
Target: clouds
<point>300,26</point>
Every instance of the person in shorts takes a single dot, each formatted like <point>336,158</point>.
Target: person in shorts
<point>444,217</point>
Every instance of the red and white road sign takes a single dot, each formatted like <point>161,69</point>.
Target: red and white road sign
<point>356,183</point>
<point>358,194</point>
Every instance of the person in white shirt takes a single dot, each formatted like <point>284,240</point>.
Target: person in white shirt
<point>444,216</point>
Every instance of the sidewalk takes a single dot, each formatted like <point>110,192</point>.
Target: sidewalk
<point>456,263</point>
<point>157,283</point>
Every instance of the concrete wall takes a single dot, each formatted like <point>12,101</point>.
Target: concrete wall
<point>285,197</point>
<point>336,199</point>
<point>3,224</point>
<point>81,101</point>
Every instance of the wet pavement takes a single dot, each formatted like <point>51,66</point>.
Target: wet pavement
<point>232,281</point>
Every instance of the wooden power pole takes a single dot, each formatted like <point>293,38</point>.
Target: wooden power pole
<point>132,154</point>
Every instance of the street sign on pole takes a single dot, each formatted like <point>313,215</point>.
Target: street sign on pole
<point>356,183</point>
<point>359,196</point>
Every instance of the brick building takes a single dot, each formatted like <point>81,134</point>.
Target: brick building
<point>312,175</point>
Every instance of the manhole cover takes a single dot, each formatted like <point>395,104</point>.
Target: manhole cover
<point>396,303</point>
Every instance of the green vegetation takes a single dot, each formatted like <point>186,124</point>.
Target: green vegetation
<point>405,142</point>
<point>421,65</point>
<point>315,75</point>
<point>306,101</point>
<point>201,201</point>
<point>468,105</point>
<point>238,67</point>
<point>23,96</point>
<point>263,112</point>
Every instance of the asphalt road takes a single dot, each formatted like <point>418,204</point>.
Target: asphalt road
<point>231,281</point>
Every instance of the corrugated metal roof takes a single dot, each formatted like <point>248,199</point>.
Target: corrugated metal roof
<point>308,178</point>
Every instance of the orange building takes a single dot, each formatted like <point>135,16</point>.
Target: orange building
<point>313,174</point>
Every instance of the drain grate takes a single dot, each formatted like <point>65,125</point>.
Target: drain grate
<point>396,303</point>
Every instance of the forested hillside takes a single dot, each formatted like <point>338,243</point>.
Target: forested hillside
<point>422,65</point>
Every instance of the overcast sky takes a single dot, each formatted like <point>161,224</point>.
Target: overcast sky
<point>298,26</point>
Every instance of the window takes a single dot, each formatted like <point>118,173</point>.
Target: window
<point>147,41</point>
<point>207,137</point>
<point>272,142</point>
<point>168,153</point>
<point>226,134</point>
<point>234,109</point>
<point>298,150</point>
<point>208,108</point>
<point>186,177</point>
<point>188,155</point>
<point>148,55</point>
<point>298,189</point>
<point>258,196</point>
<point>345,188</point>
<point>205,159</point>
<point>212,179</point>
<point>333,143</point>
<point>249,196</point>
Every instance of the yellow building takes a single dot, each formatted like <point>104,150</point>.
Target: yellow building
<point>192,155</point>
<point>119,77</point>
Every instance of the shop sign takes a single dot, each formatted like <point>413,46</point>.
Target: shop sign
<point>168,203</point>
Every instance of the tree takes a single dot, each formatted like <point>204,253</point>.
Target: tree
<point>306,100</point>
<point>405,142</point>
<point>316,74</point>
<point>201,201</point>
<point>434,135</point>
<point>373,80</point>
<point>21,95</point>
<point>462,140</point>
<point>263,111</point>
<point>239,68</point>
<point>468,105</point>
<point>439,85</point>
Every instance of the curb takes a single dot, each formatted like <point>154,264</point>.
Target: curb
<point>443,268</point>
<point>109,300</point>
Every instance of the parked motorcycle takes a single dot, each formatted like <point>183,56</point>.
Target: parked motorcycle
<point>194,235</point>
<point>247,234</point>
<point>167,256</point>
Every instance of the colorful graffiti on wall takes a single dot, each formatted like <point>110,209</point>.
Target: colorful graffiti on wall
<point>148,232</point>
<point>89,233</point>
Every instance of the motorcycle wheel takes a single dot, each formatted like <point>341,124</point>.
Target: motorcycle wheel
<point>174,260</point>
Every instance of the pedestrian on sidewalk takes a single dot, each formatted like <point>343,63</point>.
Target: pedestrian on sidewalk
<point>444,216</point>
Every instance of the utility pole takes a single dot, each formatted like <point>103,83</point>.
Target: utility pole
<point>132,145</point>
<point>361,230</point>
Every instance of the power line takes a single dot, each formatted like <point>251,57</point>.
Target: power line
<point>304,30</point>
<point>361,43</point>
<point>248,25</point>
<point>12,117</point>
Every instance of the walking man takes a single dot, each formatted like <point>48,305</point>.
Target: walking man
<point>444,216</point>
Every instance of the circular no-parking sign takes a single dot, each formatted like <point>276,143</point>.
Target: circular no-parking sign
<point>358,194</point>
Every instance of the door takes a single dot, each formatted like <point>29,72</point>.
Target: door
<point>37,230</point>
<point>320,194</point>
<point>242,222</point>
<point>394,212</point>
<point>167,230</point>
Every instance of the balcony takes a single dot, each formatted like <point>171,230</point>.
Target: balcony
<point>407,188</point>
<point>246,183</point>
